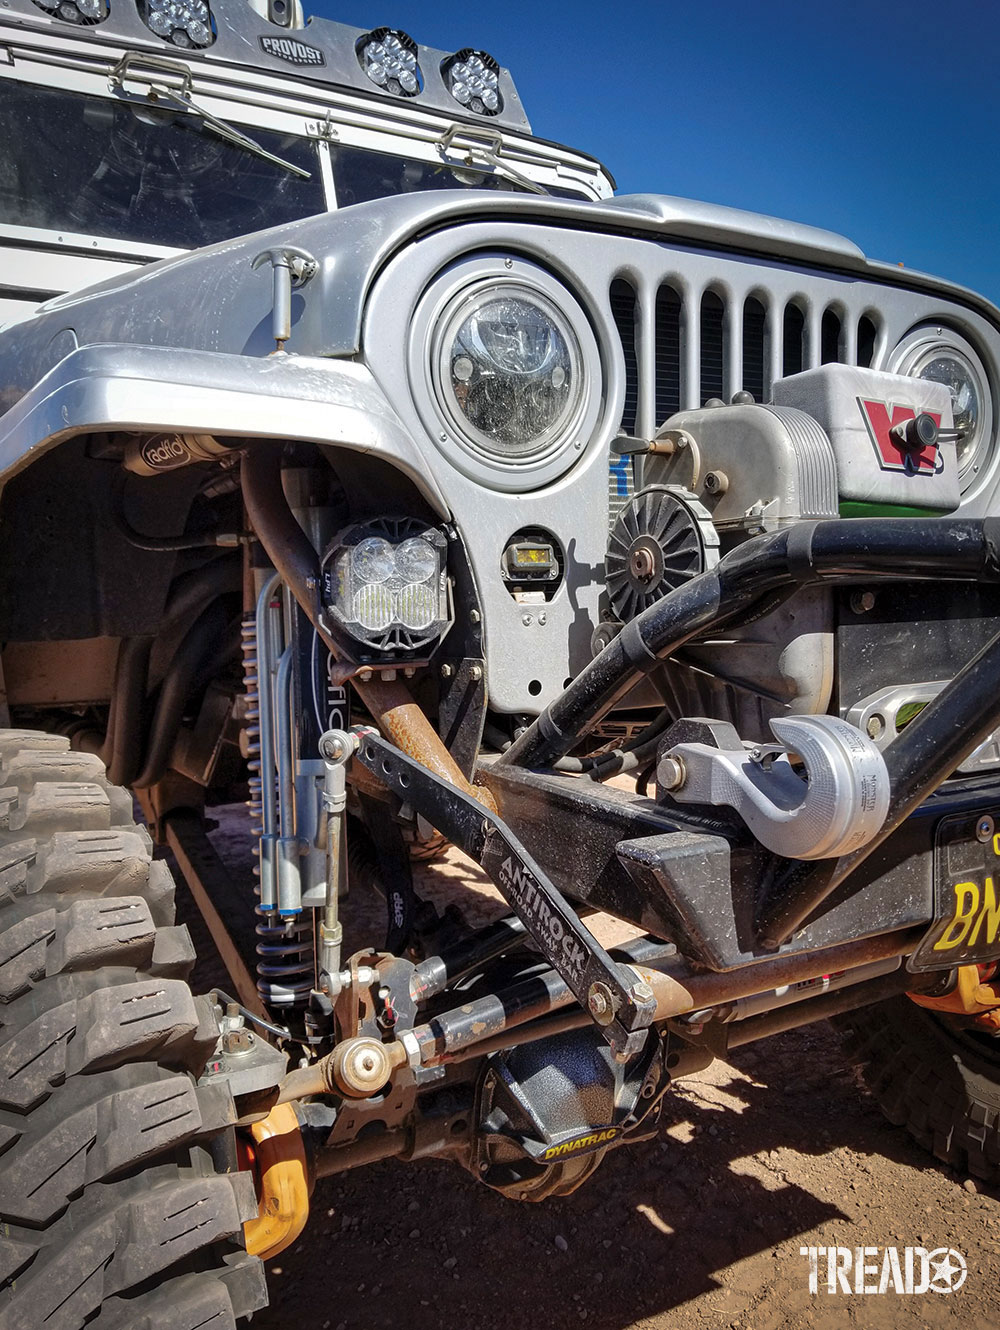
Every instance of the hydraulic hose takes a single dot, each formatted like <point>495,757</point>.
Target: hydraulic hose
<point>123,743</point>
<point>830,551</point>
<point>200,644</point>
<point>141,541</point>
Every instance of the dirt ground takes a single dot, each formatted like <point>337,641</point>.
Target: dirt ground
<point>778,1149</point>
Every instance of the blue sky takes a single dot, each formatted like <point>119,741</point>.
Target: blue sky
<point>878,120</point>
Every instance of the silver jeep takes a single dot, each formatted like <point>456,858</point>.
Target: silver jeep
<point>364,458</point>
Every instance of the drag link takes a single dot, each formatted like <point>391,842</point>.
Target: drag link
<point>486,1023</point>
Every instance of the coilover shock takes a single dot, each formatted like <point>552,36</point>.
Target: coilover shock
<point>285,960</point>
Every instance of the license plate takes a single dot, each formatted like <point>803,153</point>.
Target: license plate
<point>966,927</point>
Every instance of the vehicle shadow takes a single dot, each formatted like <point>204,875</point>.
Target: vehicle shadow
<point>749,1163</point>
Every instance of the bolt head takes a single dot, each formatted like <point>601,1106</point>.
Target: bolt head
<point>642,567</point>
<point>600,1003</point>
<point>984,829</point>
<point>876,726</point>
<point>670,773</point>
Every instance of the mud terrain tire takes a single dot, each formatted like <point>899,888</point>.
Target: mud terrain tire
<point>939,1081</point>
<point>114,1215</point>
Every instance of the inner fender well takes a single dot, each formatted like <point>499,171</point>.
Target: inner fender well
<point>65,569</point>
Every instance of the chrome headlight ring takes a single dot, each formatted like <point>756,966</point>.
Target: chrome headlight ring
<point>505,371</point>
<point>936,352</point>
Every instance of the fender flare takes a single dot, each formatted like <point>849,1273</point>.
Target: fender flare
<point>112,387</point>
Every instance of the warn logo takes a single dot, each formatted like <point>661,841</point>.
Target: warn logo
<point>294,52</point>
<point>881,418</point>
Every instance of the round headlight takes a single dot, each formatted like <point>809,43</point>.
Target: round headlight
<point>505,370</point>
<point>510,370</point>
<point>944,357</point>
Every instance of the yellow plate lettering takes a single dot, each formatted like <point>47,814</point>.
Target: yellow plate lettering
<point>966,907</point>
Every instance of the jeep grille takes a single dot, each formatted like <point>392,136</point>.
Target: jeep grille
<point>710,346</point>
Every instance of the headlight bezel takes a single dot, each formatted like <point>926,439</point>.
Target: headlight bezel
<point>932,341</point>
<point>444,307</point>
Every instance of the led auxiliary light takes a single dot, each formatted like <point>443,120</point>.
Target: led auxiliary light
<point>82,12</point>
<point>473,79</point>
<point>385,584</point>
<point>185,23</point>
<point>389,58</point>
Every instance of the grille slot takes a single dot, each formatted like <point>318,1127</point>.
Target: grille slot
<point>867,335</point>
<point>624,312</point>
<point>755,349</point>
<point>667,354</point>
<point>713,350</point>
<point>683,346</point>
<point>793,339</point>
<point>830,337</point>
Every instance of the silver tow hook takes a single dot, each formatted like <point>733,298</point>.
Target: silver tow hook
<point>836,808</point>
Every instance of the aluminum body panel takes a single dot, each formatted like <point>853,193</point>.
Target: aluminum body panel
<point>211,301</point>
<point>366,235</point>
<point>116,387</point>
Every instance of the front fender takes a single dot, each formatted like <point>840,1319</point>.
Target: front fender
<point>107,388</point>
